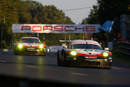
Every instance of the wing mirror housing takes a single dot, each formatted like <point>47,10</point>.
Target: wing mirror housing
<point>64,45</point>
<point>106,49</point>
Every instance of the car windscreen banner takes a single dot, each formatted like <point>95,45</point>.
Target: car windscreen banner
<point>55,28</point>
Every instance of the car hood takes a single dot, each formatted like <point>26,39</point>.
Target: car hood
<point>88,51</point>
<point>31,44</point>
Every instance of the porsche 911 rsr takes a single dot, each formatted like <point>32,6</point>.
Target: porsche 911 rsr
<point>30,45</point>
<point>85,53</point>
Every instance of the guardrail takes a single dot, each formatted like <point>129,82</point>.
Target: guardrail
<point>124,48</point>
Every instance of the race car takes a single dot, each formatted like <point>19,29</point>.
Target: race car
<point>29,45</point>
<point>87,53</point>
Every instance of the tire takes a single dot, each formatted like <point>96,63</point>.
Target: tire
<point>109,67</point>
<point>41,53</point>
<point>103,66</point>
<point>59,62</point>
<point>44,54</point>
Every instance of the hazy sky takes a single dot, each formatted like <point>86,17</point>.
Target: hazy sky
<point>77,10</point>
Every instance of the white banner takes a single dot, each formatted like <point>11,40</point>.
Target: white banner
<point>55,28</point>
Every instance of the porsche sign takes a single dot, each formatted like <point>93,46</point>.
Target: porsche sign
<point>55,28</point>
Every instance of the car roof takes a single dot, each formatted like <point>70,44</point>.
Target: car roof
<point>29,38</point>
<point>78,42</point>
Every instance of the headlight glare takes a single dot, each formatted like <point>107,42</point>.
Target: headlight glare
<point>41,46</point>
<point>73,53</point>
<point>105,54</point>
<point>20,46</point>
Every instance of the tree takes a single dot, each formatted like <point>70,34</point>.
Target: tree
<point>93,16</point>
<point>108,9</point>
<point>27,12</point>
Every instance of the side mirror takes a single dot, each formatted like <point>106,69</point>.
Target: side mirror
<point>64,45</point>
<point>106,49</point>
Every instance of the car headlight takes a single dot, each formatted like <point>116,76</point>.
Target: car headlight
<point>20,46</point>
<point>105,54</point>
<point>73,53</point>
<point>41,46</point>
<point>48,50</point>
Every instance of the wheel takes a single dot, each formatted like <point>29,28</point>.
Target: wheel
<point>44,54</point>
<point>59,62</point>
<point>109,66</point>
<point>104,66</point>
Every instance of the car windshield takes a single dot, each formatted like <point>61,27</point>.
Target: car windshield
<point>86,46</point>
<point>30,41</point>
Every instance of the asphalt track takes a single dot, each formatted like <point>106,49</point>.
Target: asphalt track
<point>45,68</point>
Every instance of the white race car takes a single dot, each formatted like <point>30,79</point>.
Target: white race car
<point>84,53</point>
<point>30,45</point>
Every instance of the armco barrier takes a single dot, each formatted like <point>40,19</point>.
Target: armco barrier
<point>124,48</point>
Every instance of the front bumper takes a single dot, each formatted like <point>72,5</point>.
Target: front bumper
<point>34,51</point>
<point>91,62</point>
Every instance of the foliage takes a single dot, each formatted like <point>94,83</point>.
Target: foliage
<point>93,16</point>
<point>26,12</point>
<point>107,10</point>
